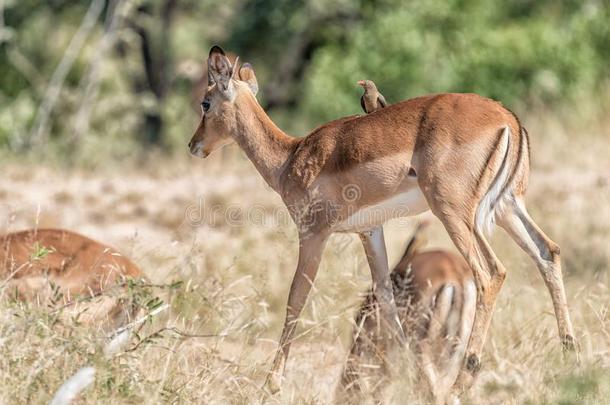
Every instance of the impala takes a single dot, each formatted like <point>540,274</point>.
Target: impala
<point>462,156</point>
<point>37,265</point>
<point>436,297</point>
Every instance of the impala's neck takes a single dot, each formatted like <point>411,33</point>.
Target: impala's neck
<point>267,146</point>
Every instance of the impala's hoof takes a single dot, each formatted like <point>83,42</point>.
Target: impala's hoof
<point>466,376</point>
<point>473,364</point>
<point>571,350</point>
<point>569,343</point>
<point>273,383</point>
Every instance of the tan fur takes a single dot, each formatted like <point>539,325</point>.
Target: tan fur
<point>454,145</point>
<point>44,264</point>
<point>434,294</point>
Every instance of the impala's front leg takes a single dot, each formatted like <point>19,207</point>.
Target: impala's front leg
<point>310,253</point>
<point>374,247</point>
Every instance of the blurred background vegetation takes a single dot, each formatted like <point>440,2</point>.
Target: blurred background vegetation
<point>83,82</point>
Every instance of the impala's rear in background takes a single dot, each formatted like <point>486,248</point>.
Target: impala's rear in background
<point>98,100</point>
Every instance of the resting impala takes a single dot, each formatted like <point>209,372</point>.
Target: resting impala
<point>462,156</point>
<point>38,264</point>
<point>436,298</point>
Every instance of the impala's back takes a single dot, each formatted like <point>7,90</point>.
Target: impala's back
<point>436,298</point>
<point>58,265</point>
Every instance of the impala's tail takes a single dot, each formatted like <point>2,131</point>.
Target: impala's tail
<point>413,246</point>
<point>502,184</point>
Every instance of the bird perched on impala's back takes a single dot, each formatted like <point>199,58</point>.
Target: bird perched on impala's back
<point>372,100</point>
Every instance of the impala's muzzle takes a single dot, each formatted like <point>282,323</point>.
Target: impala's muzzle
<point>196,148</point>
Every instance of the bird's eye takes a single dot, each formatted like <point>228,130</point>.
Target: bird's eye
<point>205,104</point>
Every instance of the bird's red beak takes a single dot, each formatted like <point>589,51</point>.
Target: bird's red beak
<point>361,83</point>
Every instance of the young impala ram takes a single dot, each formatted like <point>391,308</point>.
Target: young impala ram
<point>44,264</point>
<point>436,298</point>
<point>462,156</point>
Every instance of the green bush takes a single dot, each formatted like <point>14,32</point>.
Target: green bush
<point>308,56</point>
<point>510,52</point>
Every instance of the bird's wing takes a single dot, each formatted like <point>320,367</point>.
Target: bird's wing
<point>362,104</point>
<point>381,100</point>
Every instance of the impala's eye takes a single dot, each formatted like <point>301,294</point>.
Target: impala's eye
<point>205,104</point>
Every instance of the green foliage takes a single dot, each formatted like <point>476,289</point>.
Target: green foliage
<point>40,252</point>
<point>516,52</point>
<point>585,385</point>
<point>308,56</point>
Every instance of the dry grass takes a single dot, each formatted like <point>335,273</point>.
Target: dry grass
<point>225,235</point>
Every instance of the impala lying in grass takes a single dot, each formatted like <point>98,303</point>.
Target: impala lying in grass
<point>64,267</point>
<point>462,156</point>
<point>436,298</point>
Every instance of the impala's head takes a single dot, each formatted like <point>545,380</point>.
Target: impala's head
<point>227,83</point>
<point>367,85</point>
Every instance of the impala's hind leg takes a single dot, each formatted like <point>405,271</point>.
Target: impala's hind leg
<point>489,275</point>
<point>526,233</point>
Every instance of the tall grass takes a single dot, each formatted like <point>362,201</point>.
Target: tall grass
<point>215,342</point>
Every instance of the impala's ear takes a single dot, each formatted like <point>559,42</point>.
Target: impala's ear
<point>220,69</point>
<point>415,244</point>
<point>246,74</point>
<point>235,74</point>
<point>210,77</point>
